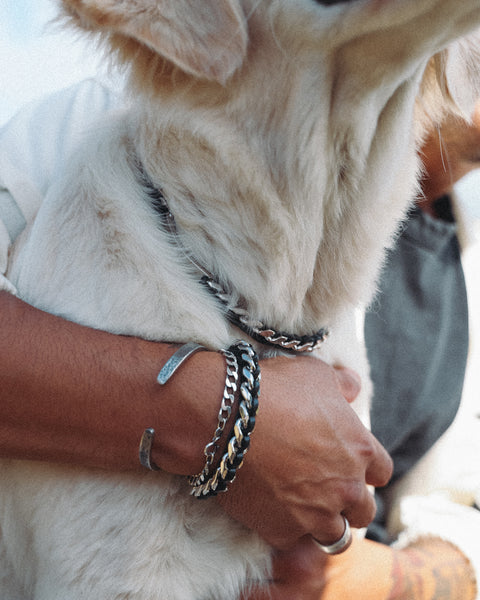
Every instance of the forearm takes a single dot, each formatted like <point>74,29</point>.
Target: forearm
<point>430,569</point>
<point>77,395</point>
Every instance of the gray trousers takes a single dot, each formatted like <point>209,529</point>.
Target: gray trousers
<point>417,339</point>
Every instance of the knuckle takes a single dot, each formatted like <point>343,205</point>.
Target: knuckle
<point>378,462</point>
<point>379,468</point>
<point>369,512</point>
<point>370,449</point>
<point>353,493</point>
<point>386,474</point>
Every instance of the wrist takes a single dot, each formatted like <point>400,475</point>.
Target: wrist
<point>183,411</point>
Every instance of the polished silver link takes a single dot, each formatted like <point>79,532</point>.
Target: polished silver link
<point>237,428</point>
<point>228,400</point>
<point>256,329</point>
<point>243,412</point>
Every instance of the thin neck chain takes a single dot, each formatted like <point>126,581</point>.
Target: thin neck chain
<point>238,316</point>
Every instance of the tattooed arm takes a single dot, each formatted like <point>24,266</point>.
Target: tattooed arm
<point>430,569</point>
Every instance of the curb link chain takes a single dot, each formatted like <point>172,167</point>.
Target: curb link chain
<point>239,443</point>
<point>258,331</point>
<point>224,413</point>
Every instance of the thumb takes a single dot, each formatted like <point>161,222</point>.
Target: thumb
<point>349,382</point>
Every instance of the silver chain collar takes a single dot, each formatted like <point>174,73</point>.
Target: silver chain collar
<point>260,332</point>
<point>238,316</point>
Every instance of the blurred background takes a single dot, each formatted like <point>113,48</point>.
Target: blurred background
<point>36,56</point>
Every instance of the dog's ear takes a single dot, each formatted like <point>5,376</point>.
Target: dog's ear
<point>458,71</point>
<point>206,38</point>
<point>451,84</point>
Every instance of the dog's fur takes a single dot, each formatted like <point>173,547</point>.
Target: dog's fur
<point>283,134</point>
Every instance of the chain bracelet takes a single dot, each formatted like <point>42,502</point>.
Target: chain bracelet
<point>228,400</point>
<point>239,443</point>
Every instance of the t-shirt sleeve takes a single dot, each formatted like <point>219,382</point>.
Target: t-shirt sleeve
<point>34,150</point>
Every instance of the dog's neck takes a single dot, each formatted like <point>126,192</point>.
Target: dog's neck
<point>283,138</point>
<point>289,196</point>
<point>295,252</point>
<point>238,316</point>
<point>288,223</point>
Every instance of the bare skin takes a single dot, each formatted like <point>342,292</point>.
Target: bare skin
<point>448,154</point>
<point>82,396</point>
<point>431,569</point>
<point>296,472</point>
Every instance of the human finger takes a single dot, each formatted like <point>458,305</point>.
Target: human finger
<point>340,545</point>
<point>300,561</point>
<point>359,508</point>
<point>297,572</point>
<point>349,382</point>
<point>380,468</point>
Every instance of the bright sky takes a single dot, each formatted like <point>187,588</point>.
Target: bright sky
<point>36,57</point>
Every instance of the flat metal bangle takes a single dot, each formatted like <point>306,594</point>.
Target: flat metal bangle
<point>168,369</point>
<point>145,450</point>
<point>176,360</point>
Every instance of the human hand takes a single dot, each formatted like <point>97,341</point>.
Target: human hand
<point>298,572</point>
<point>310,457</point>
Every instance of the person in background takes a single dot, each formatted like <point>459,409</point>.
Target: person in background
<point>417,330</point>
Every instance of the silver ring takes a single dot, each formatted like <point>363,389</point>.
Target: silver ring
<point>341,545</point>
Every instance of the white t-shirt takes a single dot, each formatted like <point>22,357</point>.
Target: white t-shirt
<point>34,149</point>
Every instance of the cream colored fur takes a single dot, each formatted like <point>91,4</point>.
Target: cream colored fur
<point>282,133</point>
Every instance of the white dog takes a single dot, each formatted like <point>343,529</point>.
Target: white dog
<point>282,134</point>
